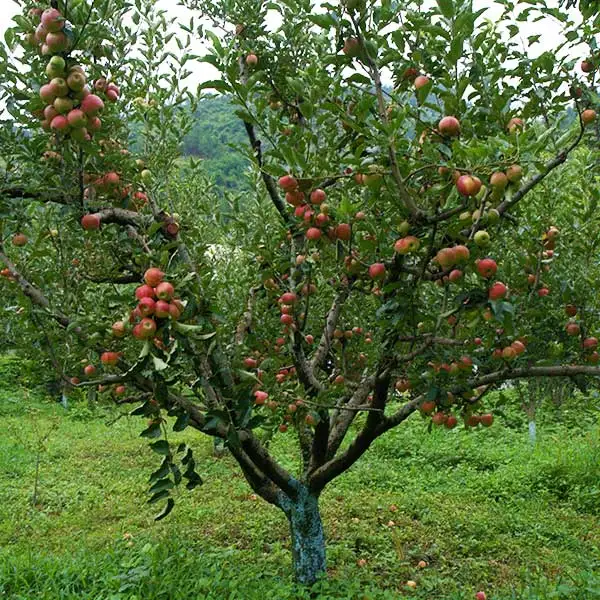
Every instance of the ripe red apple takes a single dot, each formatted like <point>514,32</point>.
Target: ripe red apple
<point>89,370</point>
<point>118,328</point>
<point>91,105</point>
<point>309,339</point>
<point>144,291</point>
<point>480,596</point>
<point>109,358</point>
<point>487,267</point>
<point>343,232</point>
<point>146,306</point>
<point>351,47</point>
<point>153,276</point>
<point>514,173</point>
<point>94,124</point>
<point>57,42</point>
<point>421,81</point>
<point>498,180</point>
<point>438,419</point>
<point>451,422</point>
<point>164,291</point>
<point>313,234</point>
<point>162,309</point>
<point>77,118</point>
<point>543,292</point>
<point>407,245</point>
<point>572,328</point>
<point>318,196</point>
<point>75,381</point>
<point>288,183</point>
<point>590,343</point>
<point>486,420</point>
<point>518,346</point>
<point>377,271</point>
<point>89,222</point>
<point>295,198</point>
<point>449,126</point>
<point>497,291</point>
<point>588,116</point>
<point>571,310</point>
<point>260,397</point>
<point>250,362</point>
<point>446,257</point>
<point>147,328</point>
<point>455,275</point>
<point>60,123</point>
<point>587,66</point>
<point>515,124</point>
<point>468,185</point>
<point>19,239</point>
<point>52,20</point>
<point>288,298</point>
<point>251,60</point>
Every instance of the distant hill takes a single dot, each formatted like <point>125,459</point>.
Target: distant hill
<point>216,130</point>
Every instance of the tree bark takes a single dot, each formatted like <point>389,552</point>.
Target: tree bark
<point>308,539</point>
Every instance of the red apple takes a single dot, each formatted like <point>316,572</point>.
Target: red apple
<point>588,116</point>
<point>109,358</point>
<point>153,276</point>
<point>449,126</point>
<point>487,267</point>
<point>572,328</point>
<point>89,222</point>
<point>343,232</point>
<point>377,271</point>
<point>146,306</point>
<point>52,20</point>
<point>91,105</point>
<point>89,370</point>
<point>421,81</point>
<point>164,291</point>
<point>288,183</point>
<point>313,234</point>
<point>318,196</point>
<point>407,245</point>
<point>497,291</point>
<point>468,185</point>
<point>118,328</point>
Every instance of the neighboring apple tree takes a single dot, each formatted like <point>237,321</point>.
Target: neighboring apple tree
<point>407,243</point>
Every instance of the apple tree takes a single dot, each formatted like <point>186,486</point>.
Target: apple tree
<point>403,246</point>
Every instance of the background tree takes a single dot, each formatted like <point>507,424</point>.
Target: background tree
<point>384,261</point>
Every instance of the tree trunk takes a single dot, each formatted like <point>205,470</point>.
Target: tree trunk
<point>308,539</point>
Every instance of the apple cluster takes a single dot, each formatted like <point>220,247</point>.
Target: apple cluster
<point>70,107</point>
<point>315,222</point>
<point>156,305</point>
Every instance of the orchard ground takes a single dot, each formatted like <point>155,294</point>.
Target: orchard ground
<point>482,508</point>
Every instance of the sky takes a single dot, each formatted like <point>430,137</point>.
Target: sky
<point>549,28</point>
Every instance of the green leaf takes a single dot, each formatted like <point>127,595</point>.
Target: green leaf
<point>161,447</point>
<point>168,508</point>
<point>153,431</point>
<point>160,485</point>
<point>159,496</point>
<point>446,8</point>
<point>159,363</point>
<point>182,422</point>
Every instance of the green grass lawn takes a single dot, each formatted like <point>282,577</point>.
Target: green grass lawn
<point>484,509</point>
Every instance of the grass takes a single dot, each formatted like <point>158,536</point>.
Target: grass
<point>483,508</point>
